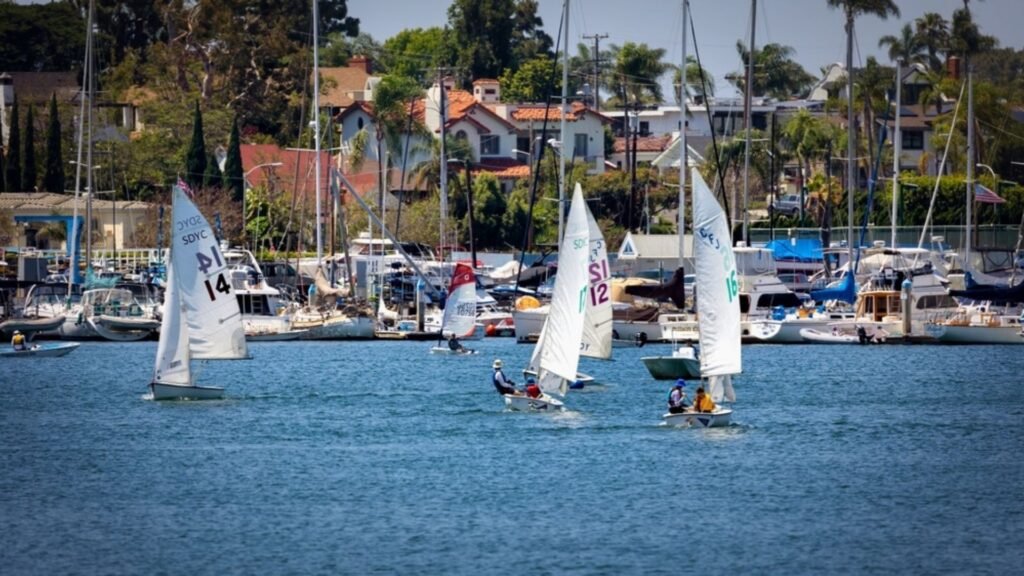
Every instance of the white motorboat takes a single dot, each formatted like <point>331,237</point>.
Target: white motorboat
<point>681,363</point>
<point>816,336</point>
<point>977,324</point>
<point>210,326</point>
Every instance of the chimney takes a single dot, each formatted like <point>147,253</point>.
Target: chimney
<point>953,67</point>
<point>486,91</point>
<point>361,62</point>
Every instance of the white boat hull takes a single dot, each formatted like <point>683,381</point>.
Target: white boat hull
<point>123,330</point>
<point>444,350</point>
<point>528,323</point>
<point>523,403</point>
<point>720,417</point>
<point>49,350</point>
<point>820,337</point>
<point>785,331</point>
<point>163,391</point>
<point>975,334</point>
<point>275,336</point>
<point>339,328</point>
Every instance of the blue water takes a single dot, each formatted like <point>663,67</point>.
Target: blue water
<point>376,457</point>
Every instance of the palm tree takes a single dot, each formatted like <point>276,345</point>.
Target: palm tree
<point>636,72</point>
<point>851,9</point>
<point>694,85</point>
<point>933,33</point>
<point>808,137</point>
<point>871,90</point>
<point>778,75</point>
<point>907,47</point>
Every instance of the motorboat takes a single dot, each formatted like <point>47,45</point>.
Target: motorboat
<point>49,349</point>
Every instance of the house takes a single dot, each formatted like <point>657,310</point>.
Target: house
<point>115,223</point>
<point>343,86</point>
<point>640,252</point>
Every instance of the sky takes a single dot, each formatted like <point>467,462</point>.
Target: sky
<point>810,27</point>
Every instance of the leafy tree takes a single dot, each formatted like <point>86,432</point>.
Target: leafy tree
<point>528,38</point>
<point>531,82</point>
<point>966,39</point>
<point>933,34</point>
<point>13,168</point>
<point>635,74</point>
<point>41,37</point>
<point>234,177</point>
<point>699,82</point>
<point>489,208</point>
<point>778,75</point>
<point>808,137</point>
<point>339,48</point>
<point>482,34</point>
<point>581,71</point>
<point>53,180</point>
<point>195,156</point>
<point>907,47</point>
<point>29,172</point>
<point>415,53</point>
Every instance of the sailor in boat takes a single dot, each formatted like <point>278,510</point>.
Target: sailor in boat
<point>677,398</point>
<point>501,382</point>
<point>18,341</point>
<point>532,390</point>
<point>454,345</point>
<point>703,402</point>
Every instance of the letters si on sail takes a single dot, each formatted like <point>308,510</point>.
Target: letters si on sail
<point>718,309</point>
<point>208,301</point>
<point>597,329</point>
<point>563,329</point>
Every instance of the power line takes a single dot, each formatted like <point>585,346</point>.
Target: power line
<point>597,67</point>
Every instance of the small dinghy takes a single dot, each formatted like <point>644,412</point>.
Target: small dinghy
<point>52,350</point>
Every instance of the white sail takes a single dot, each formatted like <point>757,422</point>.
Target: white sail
<point>460,309</point>
<point>172,354</point>
<point>597,328</point>
<point>563,329</point>
<point>209,304</point>
<point>718,309</point>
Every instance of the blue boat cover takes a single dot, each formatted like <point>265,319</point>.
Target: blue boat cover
<point>846,291</point>
<point>803,250</point>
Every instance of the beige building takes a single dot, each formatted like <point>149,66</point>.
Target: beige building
<point>115,224</point>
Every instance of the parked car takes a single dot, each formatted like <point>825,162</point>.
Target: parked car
<point>787,204</point>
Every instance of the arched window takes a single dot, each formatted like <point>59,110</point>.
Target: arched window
<point>461,135</point>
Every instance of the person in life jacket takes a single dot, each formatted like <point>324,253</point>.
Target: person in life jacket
<point>532,390</point>
<point>454,345</point>
<point>501,382</point>
<point>703,402</point>
<point>18,341</point>
<point>677,398</point>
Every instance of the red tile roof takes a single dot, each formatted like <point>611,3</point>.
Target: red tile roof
<point>645,144</point>
<point>502,168</point>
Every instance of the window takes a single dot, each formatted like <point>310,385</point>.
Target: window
<point>913,140</point>
<point>359,124</point>
<point>490,145</point>
<point>645,128</point>
<point>461,135</point>
<point>580,146</point>
<point>489,91</point>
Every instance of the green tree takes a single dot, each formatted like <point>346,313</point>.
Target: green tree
<point>778,75</point>
<point>871,89</point>
<point>41,37</point>
<point>808,137</point>
<point>489,208</point>
<point>699,82</point>
<point>531,82</point>
<point>635,73</point>
<point>907,47</point>
<point>29,172</point>
<point>195,156</point>
<point>933,33</point>
<point>53,179</point>
<point>339,48</point>
<point>415,53</point>
<point>529,41</point>
<point>482,34</point>
<point>212,178</point>
<point>234,177</point>
<point>966,38</point>
<point>13,168</point>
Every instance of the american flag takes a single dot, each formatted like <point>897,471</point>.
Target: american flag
<point>986,196</point>
<point>185,188</point>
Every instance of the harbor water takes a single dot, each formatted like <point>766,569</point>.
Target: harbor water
<point>377,457</point>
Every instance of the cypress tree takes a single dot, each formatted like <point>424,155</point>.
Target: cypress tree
<point>13,172</point>
<point>212,178</point>
<point>3,175</point>
<point>233,174</point>
<point>195,158</point>
<point>29,174</point>
<point>53,180</point>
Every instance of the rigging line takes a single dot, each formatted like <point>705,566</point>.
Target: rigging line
<point>707,109</point>
<point>540,155</point>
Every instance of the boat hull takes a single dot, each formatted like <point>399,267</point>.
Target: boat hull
<point>720,417</point>
<point>671,367</point>
<point>44,350</point>
<point>523,403</point>
<point>975,334</point>
<point>118,329</point>
<point>338,328</point>
<point>444,350</point>
<point>162,391</point>
<point>818,337</point>
<point>275,336</point>
<point>30,326</point>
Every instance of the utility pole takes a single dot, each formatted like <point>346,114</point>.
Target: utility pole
<point>597,67</point>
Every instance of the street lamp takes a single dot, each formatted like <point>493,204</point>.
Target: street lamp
<point>245,187</point>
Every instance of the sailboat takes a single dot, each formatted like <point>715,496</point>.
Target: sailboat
<point>201,318</point>
<point>718,310</point>
<point>557,352</point>
<point>459,311</point>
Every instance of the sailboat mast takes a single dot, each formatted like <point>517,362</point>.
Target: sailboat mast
<point>897,148</point>
<point>683,155</point>
<point>316,133</point>
<point>444,167</point>
<point>851,140</point>
<point>86,94</point>
<point>747,103</point>
<point>970,164</point>
<point>564,111</point>
<point>90,90</point>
